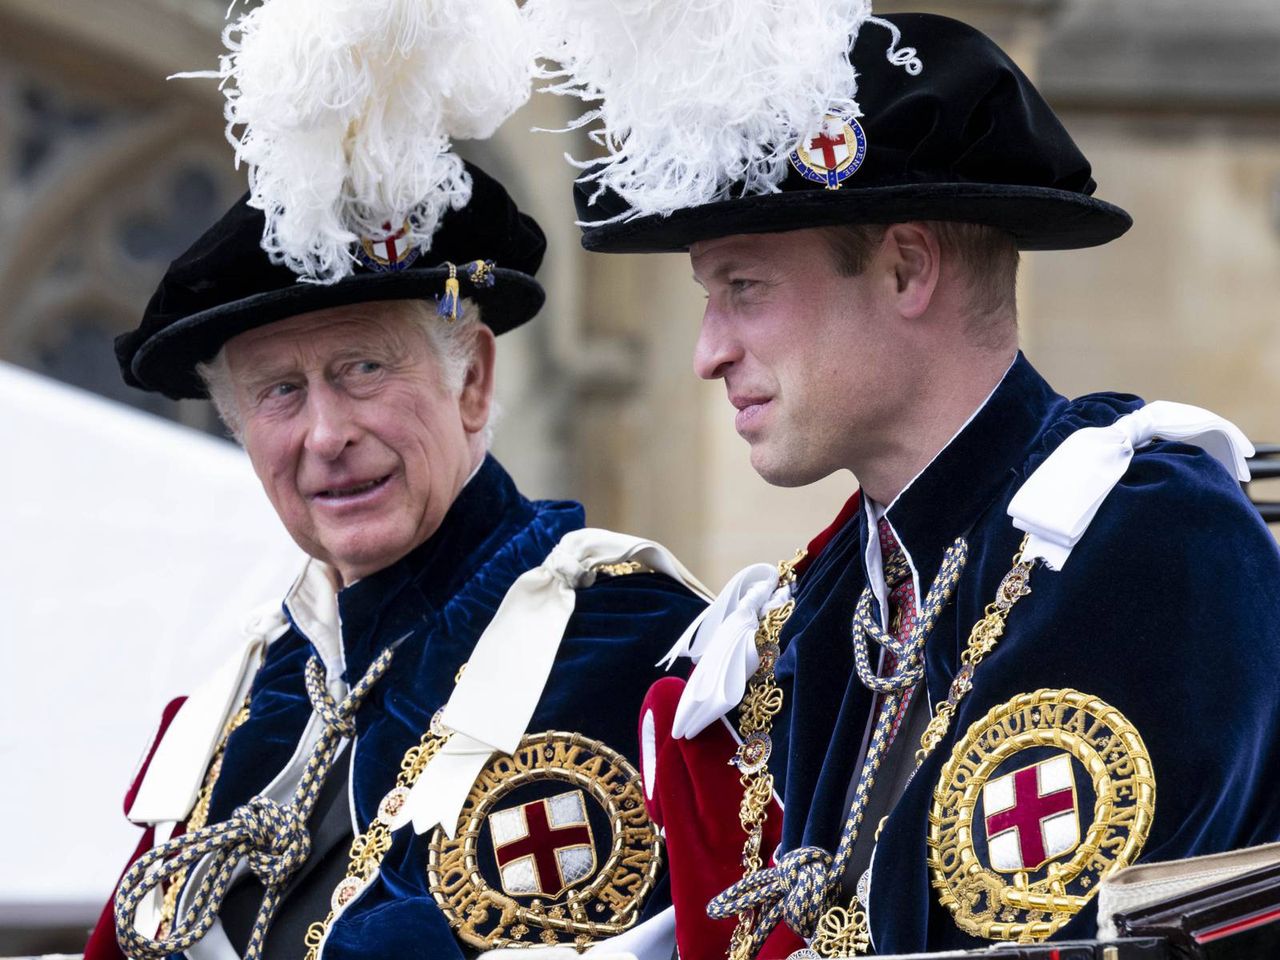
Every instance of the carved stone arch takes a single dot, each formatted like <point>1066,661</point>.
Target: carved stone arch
<point>106,173</point>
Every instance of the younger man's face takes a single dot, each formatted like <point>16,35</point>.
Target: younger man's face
<point>805,352</point>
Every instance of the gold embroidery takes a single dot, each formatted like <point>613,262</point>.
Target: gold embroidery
<point>599,904</point>
<point>1043,896</point>
<point>623,569</point>
<point>199,816</point>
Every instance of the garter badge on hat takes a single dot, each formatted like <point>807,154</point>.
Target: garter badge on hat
<point>1042,799</point>
<point>554,846</point>
<point>833,153</point>
<point>389,252</point>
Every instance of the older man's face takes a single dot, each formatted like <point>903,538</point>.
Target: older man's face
<point>360,444</point>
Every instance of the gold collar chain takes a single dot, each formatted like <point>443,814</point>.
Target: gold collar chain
<point>845,931</point>
<point>842,931</point>
<point>759,706</point>
<point>368,848</point>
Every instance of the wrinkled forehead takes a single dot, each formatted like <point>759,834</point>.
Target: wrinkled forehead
<point>376,328</point>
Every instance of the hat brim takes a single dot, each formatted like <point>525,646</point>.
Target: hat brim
<point>167,361</point>
<point>1038,218</point>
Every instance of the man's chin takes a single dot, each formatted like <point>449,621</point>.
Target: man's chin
<point>365,553</point>
<point>778,470</point>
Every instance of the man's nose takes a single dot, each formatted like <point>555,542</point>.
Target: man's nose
<point>717,348</point>
<point>332,426</point>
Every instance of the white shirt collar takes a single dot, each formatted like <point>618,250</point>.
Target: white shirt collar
<point>312,604</point>
<point>875,511</point>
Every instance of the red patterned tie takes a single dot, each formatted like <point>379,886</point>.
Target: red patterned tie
<point>902,608</point>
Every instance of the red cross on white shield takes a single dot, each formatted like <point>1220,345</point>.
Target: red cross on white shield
<point>543,847</point>
<point>1031,815</point>
<point>829,147</point>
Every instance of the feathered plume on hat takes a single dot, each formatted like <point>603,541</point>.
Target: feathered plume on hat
<point>694,97</point>
<point>344,112</point>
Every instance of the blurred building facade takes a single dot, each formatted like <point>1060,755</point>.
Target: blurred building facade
<point>107,171</point>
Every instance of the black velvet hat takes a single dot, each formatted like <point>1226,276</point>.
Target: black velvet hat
<point>225,284</point>
<point>969,138</point>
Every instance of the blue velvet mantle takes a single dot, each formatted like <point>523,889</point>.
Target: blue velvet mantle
<point>1167,610</point>
<point>440,598</point>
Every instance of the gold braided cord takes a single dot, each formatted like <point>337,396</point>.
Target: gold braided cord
<point>844,931</point>
<point>762,702</point>
<point>200,814</point>
<point>268,835</point>
<point>984,636</point>
<point>368,848</point>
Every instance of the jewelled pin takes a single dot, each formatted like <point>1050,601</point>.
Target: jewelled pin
<point>833,153</point>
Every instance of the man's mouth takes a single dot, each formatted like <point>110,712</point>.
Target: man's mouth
<point>354,490</point>
<point>743,403</point>
<point>749,408</point>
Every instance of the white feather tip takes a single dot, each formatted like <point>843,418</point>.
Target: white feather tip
<point>345,112</point>
<point>695,97</point>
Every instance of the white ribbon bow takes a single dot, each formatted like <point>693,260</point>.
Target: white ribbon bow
<point>1058,502</point>
<point>490,709</point>
<point>722,644</point>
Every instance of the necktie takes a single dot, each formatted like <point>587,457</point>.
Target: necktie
<point>901,593</point>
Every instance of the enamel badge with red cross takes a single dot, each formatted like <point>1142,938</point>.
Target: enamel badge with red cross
<point>389,251</point>
<point>833,153</point>
<point>554,846</point>
<point>1042,799</point>
<point>544,847</point>
<point>1032,815</point>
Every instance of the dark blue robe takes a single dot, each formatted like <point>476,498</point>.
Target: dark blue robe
<point>440,598</point>
<point>1168,610</point>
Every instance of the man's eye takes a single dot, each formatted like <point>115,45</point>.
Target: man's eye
<point>363,368</point>
<point>741,284</point>
<point>279,390</point>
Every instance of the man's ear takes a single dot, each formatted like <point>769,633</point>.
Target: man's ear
<point>917,263</point>
<point>477,385</point>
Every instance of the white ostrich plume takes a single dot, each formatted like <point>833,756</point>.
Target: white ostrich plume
<point>694,97</point>
<point>344,112</point>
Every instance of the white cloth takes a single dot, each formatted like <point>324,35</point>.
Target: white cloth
<point>1058,502</point>
<point>490,708</point>
<point>177,769</point>
<point>655,939</point>
<point>721,642</point>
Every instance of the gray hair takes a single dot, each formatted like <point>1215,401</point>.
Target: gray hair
<point>452,343</point>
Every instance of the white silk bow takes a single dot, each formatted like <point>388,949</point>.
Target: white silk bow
<point>721,642</point>
<point>494,700</point>
<point>1058,502</point>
